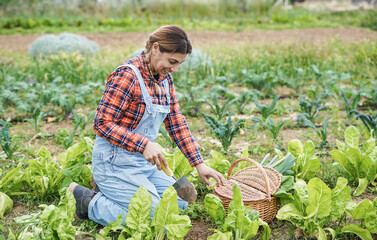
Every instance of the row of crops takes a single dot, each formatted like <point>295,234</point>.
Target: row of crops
<point>308,111</point>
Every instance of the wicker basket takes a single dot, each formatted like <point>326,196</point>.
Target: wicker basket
<point>255,182</point>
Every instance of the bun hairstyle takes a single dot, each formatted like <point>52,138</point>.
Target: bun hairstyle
<point>170,38</point>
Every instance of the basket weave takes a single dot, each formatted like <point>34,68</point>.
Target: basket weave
<point>258,184</point>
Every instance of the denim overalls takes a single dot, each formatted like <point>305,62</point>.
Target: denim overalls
<point>119,173</point>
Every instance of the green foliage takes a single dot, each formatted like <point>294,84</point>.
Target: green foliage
<point>313,205</point>
<point>243,99</point>
<point>36,121</point>
<point>137,222</point>
<point>351,105</point>
<point>178,163</point>
<point>266,109</point>
<point>220,112</point>
<point>270,125</point>
<point>44,177</point>
<point>370,122</point>
<point>358,162</point>
<point>6,204</point>
<point>67,42</point>
<point>81,120</point>
<point>283,163</point>
<point>224,131</point>
<point>366,210</point>
<point>6,141</point>
<point>321,133</point>
<point>310,108</point>
<point>242,222</point>
<point>307,163</point>
<point>54,222</point>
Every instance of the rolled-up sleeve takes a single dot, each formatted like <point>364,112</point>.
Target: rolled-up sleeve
<point>176,125</point>
<point>119,92</point>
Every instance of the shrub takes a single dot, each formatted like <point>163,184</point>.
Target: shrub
<point>66,42</point>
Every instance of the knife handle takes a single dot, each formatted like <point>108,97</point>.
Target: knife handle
<point>167,170</point>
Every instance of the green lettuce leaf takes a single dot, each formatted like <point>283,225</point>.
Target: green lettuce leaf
<point>352,136</point>
<point>218,235</point>
<point>236,202</point>
<point>139,213</point>
<point>319,199</point>
<point>362,233</point>
<point>340,197</point>
<point>6,204</point>
<point>215,209</point>
<point>178,226</point>
<point>363,184</point>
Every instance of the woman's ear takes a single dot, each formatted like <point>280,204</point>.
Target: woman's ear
<point>155,48</point>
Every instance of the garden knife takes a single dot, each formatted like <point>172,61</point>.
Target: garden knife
<point>184,188</point>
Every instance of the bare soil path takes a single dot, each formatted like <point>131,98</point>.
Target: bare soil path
<point>9,43</point>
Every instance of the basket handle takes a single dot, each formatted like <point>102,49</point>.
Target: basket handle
<point>266,179</point>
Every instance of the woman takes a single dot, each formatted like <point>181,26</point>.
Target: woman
<point>139,96</point>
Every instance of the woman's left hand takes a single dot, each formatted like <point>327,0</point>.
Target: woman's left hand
<point>206,172</point>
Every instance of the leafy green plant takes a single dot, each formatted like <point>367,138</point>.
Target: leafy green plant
<point>370,122</point>
<point>225,132</point>
<point>6,141</point>
<point>310,108</point>
<point>137,222</point>
<point>241,222</point>
<point>6,204</point>
<point>270,125</point>
<point>280,163</point>
<point>366,210</point>
<point>178,163</point>
<point>36,121</point>
<point>307,163</point>
<point>266,109</point>
<point>167,138</point>
<point>54,222</point>
<point>81,120</point>
<point>243,99</point>
<point>313,205</point>
<point>220,111</point>
<point>358,162</point>
<point>321,133</point>
<point>65,137</point>
<point>67,102</point>
<point>351,105</point>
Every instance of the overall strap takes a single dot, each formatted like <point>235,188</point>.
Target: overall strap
<point>166,84</point>
<point>144,91</point>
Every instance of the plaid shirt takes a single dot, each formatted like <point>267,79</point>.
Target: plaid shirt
<point>122,107</point>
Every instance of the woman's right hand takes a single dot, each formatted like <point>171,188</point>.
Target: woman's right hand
<point>153,154</point>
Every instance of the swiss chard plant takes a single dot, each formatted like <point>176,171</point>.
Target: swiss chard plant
<point>177,161</point>
<point>243,99</point>
<point>6,204</point>
<point>138,225</point>
<point>224,131</point>
<point>358,162</point>
<point>266,109</point>
<point>241,222</point>
<point>321,133</point>
<point>365,210</point>
<point>54,222</point>
<point>314,205</point>
<point>307,163</point>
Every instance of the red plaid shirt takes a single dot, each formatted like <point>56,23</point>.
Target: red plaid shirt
<point>122,107</point>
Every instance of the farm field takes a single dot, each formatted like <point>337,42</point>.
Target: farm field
<point>302,101</point>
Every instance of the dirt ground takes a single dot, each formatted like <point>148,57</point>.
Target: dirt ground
<point>9,43</point>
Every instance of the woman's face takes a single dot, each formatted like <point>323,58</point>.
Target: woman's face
<point>164,63</point>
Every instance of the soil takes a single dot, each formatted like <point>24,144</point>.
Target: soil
<point>11,43</point>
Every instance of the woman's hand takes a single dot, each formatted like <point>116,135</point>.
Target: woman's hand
<point>206,172</point>
<point>152,154</point>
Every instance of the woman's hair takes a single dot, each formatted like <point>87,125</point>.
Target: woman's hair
<point>171,39</point>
